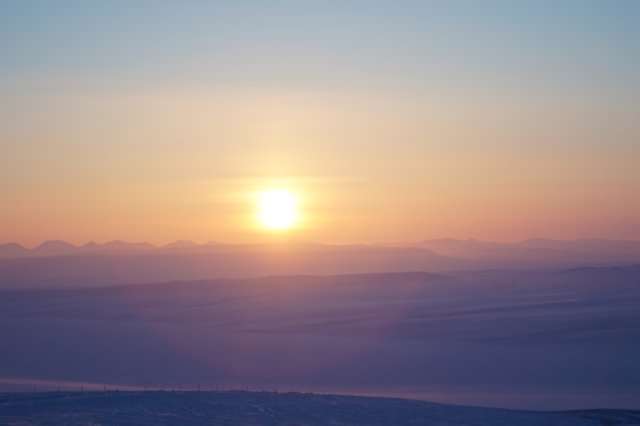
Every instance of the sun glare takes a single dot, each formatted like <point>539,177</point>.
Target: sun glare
<point>277,209</point>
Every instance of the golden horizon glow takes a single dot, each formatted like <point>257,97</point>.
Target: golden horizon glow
<point>421,138</point>
<point>277,209</point>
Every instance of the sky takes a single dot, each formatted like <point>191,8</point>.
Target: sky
<point>389,120</point>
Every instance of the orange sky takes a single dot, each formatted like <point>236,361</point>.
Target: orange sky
<point>116,129</point>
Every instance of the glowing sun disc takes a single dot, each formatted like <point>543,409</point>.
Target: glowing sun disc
<point>277,209</point>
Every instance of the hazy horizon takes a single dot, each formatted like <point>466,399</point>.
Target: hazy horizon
<point>286,240</point>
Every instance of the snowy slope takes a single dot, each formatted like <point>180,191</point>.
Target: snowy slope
<point>268,408</point>
<point>567,339</point>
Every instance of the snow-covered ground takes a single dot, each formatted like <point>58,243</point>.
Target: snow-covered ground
<point>268,408</point>
<point>551,339</point>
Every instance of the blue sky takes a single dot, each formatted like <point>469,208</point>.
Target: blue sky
<point>466,44</point>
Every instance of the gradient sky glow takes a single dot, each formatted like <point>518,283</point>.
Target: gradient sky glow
<point>395,120</point>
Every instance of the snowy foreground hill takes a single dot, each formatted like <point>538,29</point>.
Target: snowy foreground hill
<point>521,339</point>
<point>270,408</point>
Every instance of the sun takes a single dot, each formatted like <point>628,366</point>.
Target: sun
<point>277,209</point>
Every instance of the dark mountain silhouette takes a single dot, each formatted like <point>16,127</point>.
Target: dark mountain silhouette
<point>124,246</point>
<point>13,250</point>
<point>537,251</point>
<point>122,262</point>
<point>181,244</point>
<point>55,248</point>
<point>138,264</point>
